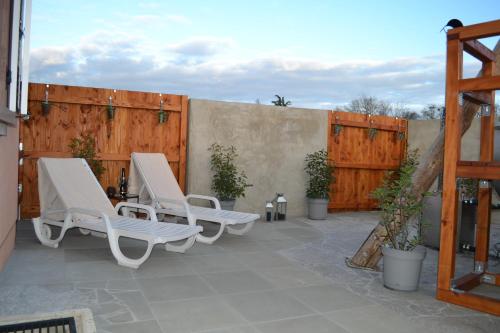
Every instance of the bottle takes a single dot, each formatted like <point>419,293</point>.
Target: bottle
<point>123,184</point>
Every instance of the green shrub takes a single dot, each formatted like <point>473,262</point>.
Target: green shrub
<point>84,147</point>
<point>320,171</point>
<point>228,182</point>
<point>401,208</point>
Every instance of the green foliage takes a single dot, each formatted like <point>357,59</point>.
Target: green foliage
<point>281,101</point>
<point>228,182</point>
<point>84,147</point>
<point>320,171</point>
<point>468,188</point>
<point>400,205</point>
<point>372,133</point>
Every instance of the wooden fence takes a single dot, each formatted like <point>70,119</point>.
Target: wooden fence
<point>77,110</point>
<point>363,148</point>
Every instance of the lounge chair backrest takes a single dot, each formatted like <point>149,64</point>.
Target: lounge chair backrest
<point>152,171</point>
<point>69,182</point>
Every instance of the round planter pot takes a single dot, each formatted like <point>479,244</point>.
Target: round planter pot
<point>402,268</point>
<point>317,208</point>
<point>227,204</point>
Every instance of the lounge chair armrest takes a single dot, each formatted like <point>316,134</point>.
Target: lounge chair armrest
<point>150,210</point>
<point>205,197</point>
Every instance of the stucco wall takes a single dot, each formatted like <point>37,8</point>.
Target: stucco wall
<point>421,134</point>
<point>271,141</point>
<point>8,192</point>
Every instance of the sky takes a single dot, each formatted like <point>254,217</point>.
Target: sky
<point>318,54</point>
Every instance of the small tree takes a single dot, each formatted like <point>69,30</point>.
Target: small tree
<point>84,147</point>
<point>399,204</point>
<point>432,111</point>
<point>320,171</point>
<point>281,101</point>
<point>228,182</point>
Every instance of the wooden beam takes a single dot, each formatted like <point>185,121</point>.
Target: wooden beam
<point>478,170</point>
<point>100,156</point>
<point>471,301</point>
<point>468,281</point>
<point>484,193</point>
<point>351,165</point>
<point>366,124</point>
<point>446,266</point>
<point>478,50</point>
<point>476,31</point>
<point>480,84</point>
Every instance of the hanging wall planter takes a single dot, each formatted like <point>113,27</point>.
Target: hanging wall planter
<point>372,133</point>
<point>45,103</point>
<point>337,129</point>
<point>162,115</point>
<point>110,109</point>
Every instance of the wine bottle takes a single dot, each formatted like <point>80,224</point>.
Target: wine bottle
<point>123,184</point>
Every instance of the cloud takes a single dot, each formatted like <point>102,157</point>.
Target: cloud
<point>123,62</point>
<point>201,46</point>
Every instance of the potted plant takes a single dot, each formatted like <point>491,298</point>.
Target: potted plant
<point>320,171</point>
<point>402,251</point>
<point>228,182</point>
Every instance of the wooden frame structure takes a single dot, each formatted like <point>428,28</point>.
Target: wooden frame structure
<point>479,90</point>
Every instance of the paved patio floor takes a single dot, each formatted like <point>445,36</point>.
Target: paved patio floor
<point>280,277</point>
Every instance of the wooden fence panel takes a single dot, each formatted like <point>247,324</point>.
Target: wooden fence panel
<point>77,110</point>
<point>361,161</point>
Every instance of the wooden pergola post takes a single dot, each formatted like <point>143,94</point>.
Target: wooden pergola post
<point>449,288</point>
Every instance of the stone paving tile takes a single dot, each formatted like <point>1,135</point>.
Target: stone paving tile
<point>237,282</point>
<point>372,318</point>
<point>315,323</point>
<point>174,287</point>
<point>196,315</point>
<point>267,305</point>
<point>328,297</point>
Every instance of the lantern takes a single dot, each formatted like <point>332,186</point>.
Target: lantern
<point>281,203</point>
<point>269,211</point>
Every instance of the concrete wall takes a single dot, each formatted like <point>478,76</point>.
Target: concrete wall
<point>271,141</point>
<point>421,134</point>
<point>8,192</point>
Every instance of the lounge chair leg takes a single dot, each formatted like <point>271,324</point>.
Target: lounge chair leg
<point>43,233</point>
<point>183,247</point>
<point>122,260</point>
<point>239,231</point>
<point>210,240</point>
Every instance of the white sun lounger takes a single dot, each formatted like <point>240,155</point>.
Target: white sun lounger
<point>71,197</point>
<point>151,177</point>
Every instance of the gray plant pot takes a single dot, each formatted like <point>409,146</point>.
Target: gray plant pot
<point>227,204</point>
<point>402,268</point>
<point>317,208</point>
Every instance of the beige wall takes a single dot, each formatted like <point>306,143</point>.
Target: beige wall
<point>8,192</point>
<point>272,143</point>
<point>421,134</point>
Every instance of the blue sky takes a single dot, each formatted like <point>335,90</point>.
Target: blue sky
<point>317,53</point>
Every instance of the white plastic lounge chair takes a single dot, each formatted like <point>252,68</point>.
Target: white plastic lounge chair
<point>71,197</point>
<point>151,177</point>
